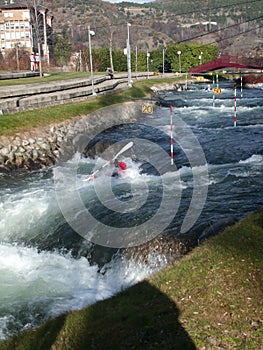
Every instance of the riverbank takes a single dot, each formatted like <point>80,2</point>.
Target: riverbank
<point>211,299</point>
<point>34,139</point>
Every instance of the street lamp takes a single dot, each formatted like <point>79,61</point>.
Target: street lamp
<point>129,56</point>
<point>136,62</point>
<point>91,33</point>
<point>38,39</point>
<point>179,59</point>
<point>200,57</point>
<point>163,59</point>
<point>42,10</point>
<point>147,58</point>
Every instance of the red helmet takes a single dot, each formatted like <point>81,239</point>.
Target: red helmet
<point>122,165</point>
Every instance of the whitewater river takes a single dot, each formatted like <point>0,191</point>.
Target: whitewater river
<point>50,220</point>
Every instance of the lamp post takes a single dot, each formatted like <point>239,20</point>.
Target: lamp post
<point>147,61</point>
<point>91,33</point>
<point>38,39</point>
<point>200,57</point>
<point>45,46</point>
<point>179,59</point>
<point>136,62</point>
<point>129,56</point>
<point>163,59</point>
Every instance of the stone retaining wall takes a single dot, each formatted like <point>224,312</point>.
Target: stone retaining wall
<point>44,147</point>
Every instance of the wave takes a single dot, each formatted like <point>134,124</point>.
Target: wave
<point>255,158</point>
<point>39,285</point>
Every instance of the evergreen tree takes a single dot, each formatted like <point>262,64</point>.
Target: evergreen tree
<point>62,49</point>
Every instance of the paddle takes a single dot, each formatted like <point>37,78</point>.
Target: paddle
<point>124,149</point>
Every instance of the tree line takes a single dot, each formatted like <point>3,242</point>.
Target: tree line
<point>191,54</point>
<point>63,55</point>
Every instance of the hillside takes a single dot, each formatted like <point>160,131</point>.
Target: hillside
<point>156,24</point>
<point>233,25</point>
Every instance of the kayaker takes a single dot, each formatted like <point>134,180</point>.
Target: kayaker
<point>120,168</point>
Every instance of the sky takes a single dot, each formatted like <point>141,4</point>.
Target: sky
<point>136,1</point>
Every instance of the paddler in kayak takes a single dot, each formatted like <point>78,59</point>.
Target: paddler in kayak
<point>119,169</point>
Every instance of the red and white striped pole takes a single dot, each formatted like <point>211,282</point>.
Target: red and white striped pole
<point>235,105</point>
<point>171,135</point>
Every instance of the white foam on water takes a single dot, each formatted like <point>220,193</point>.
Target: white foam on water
<point>255,158</point>
<point>59,282</point>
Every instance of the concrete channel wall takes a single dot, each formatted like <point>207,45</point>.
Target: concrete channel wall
<point>44,147</point>
<point>37,149</point>
<point>31,96</point>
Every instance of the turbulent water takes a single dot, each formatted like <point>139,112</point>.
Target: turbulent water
<point>47,266</point>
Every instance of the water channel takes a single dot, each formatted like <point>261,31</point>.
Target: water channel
<point>47,263</point>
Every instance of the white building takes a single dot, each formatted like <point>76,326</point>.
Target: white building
<point>19,27</point>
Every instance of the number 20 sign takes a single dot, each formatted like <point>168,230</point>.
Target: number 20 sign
<point>148,109</point>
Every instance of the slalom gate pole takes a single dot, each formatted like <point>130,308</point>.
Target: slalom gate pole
<point>241,85</point>
<point>235,106</point>
<point>214,97</point>
<point>171,135</point>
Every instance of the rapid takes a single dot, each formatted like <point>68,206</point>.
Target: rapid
<point>47,267</point>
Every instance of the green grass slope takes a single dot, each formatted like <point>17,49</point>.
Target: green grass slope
<point>211,299</point>
<point>11,124</point>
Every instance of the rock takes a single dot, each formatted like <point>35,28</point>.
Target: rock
<point>18,141</point>
<point>35,154</point>
<point>45,146</point>
<point>2,159</point>
<point>25,143</point>
<point>56,154</point>
<point>32,141</point>
<point>168,245</point>
<point>21,149</point>
<point>11,156</point>
<point>6,150</point>
<point>19,162</point>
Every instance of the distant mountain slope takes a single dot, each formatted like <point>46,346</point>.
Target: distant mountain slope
<point>234,25</point>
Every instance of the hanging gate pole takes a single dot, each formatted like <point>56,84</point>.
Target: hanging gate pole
<point>235,106</point>
<point>171,135</point>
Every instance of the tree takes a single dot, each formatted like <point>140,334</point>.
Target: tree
<point>17,59</point>
<point>62,49</point>
<point>189,55</point>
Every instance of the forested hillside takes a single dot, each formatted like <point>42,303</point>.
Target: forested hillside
<point>233,25</point>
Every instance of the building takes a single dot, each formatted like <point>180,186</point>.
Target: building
<point>29,28</point>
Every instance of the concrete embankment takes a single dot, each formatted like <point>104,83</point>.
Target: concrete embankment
<point>43,147</point>
<point>16,98</point>
<point>25,97</point>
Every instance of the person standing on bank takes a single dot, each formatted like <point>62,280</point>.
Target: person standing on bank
<point>32,61</point>
<point>37,59</point>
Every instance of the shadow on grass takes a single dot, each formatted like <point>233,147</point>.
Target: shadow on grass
<point>140,317</point>
<point>41,338</point>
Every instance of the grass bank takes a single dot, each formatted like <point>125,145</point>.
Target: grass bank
<point>10,124</point>
<point>211,299</point>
